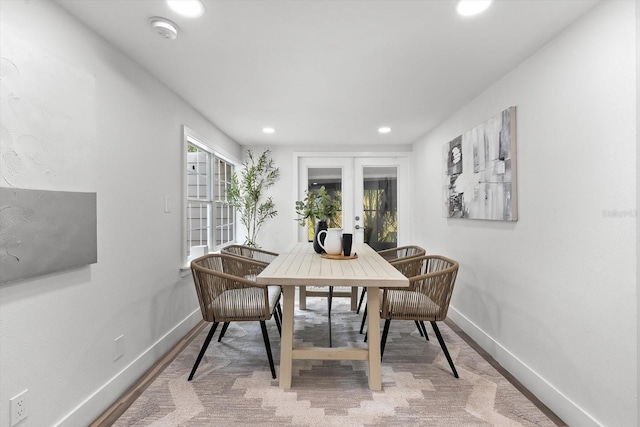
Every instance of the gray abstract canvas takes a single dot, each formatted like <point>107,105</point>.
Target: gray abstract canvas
<point>480,171</point>
<point>45,231</point>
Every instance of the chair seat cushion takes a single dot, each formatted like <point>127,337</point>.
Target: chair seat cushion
<point>274,296</point>
<point>245,304</point>
<point>409,305</point>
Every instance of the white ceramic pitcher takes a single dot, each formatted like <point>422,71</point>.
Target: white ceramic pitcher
<point>332,242</point>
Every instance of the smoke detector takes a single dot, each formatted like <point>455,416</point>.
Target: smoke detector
<point>164,27</point>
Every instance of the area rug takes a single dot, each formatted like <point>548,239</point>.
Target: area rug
<point>233,385</point>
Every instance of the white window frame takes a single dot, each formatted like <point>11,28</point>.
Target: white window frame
<point>191,138</point>
<point>229,227</point>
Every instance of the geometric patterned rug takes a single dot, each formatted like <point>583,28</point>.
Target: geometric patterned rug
<point>233,384</point>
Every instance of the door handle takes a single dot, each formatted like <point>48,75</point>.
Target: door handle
<point>357,227</point>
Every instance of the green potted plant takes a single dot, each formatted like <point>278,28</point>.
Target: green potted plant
<point>319,209</point>
<point>247,193</point>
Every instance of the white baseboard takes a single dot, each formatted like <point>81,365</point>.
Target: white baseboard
<point>94,405</point>
<point>560,404</point>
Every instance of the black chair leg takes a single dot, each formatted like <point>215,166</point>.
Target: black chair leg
<point>364,319</point>
<point>203,349</point>
<point>383,341</point>
<point>330,302</point>
<point>419,328</point>
<point>364,292</point>
<point>279,308</point>
<point>263,326</point>
<point>424,330</point>
<point>223,331</point>
<point>444,348</point>
<point>277,319</point>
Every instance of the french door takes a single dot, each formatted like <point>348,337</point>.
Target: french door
<point>371,191</point>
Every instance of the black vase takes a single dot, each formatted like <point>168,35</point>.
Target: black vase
<point>320,225</point>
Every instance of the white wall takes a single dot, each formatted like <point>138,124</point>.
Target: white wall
<point>553,296</point>
<point>57,331</point>
<point>637,198</point>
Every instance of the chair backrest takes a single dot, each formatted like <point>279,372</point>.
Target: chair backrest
<point>431,276</point>
<point>227,290</point>
<point>403,252</point>
<point>250,252</point>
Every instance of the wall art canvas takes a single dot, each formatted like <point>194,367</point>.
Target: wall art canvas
<point>45,231</point>
<point>47,161</point>
<point>480,171</point>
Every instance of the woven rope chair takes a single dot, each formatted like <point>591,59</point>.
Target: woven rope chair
<point>265,256</point>
<point>227,292</point>
<point>258,255</point>
<point>392,255</point>
<point>402,252</point>
<point>255,254</point>
<point>431,281</point>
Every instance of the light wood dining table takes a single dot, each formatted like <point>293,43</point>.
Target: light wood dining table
<point>302,266</point>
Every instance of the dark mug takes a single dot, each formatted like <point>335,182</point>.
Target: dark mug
<point>347,240</point>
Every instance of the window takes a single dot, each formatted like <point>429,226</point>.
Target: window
<point>225,215</point>
<point>210,224</point>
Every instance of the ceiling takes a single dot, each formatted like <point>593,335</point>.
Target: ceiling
<point>329,72</point>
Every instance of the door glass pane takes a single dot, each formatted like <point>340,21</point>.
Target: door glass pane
<point>380,207</point>
<point>331,179</point>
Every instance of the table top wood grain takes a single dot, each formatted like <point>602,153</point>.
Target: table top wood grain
<point>302,266</point>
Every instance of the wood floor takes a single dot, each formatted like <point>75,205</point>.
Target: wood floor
<point>114,411</point>
<point>120,406</point>
<point>486,356</point>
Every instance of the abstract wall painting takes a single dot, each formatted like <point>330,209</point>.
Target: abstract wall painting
<point>45,231</point>
<point>47,162</point>
<point>480,171</point>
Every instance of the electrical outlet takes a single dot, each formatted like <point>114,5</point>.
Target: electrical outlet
<point>19,408</point>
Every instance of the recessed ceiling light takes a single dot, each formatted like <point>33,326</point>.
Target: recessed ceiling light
<point>268,130</point>
<point>164,27</point>
<point>188,8</point>
<point>472,7</point>
<point>384,129</point>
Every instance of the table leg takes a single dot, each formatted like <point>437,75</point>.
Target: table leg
<point>286,341</point>
<point>375,368</point>
<point>354,298</point>
<point>302,303</point>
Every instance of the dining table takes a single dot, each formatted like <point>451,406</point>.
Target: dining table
<point>302,266</point>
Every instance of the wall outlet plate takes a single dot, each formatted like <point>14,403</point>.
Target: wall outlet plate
<point>19,407</point>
